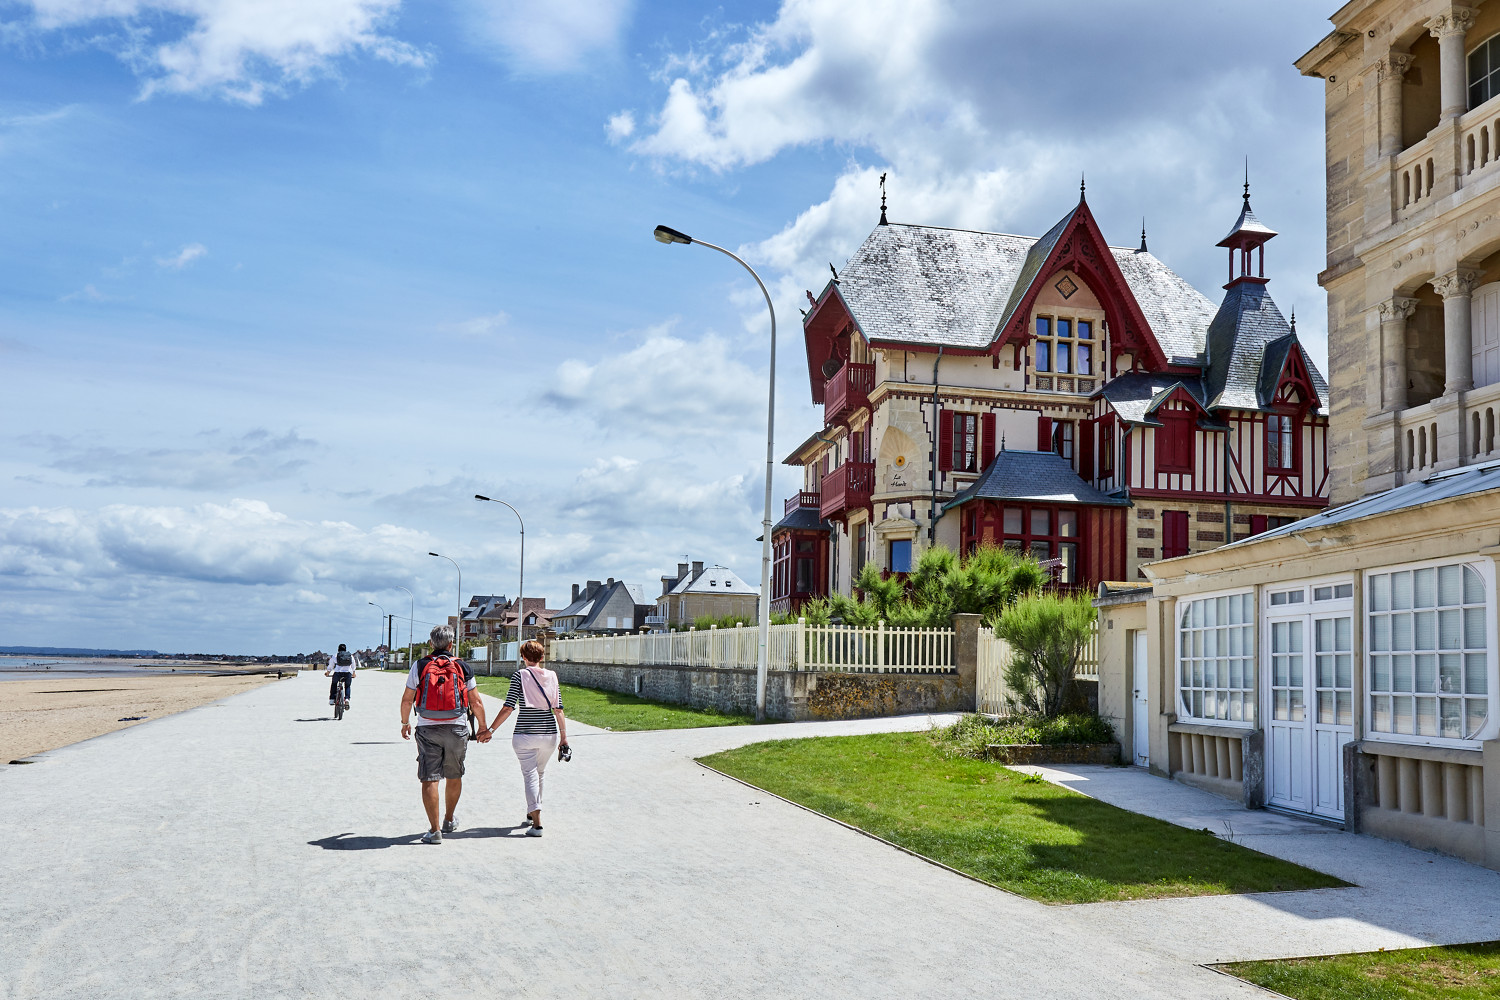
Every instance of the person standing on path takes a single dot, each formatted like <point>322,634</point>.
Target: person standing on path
<point>441,688</point>
<point>539,727</point>
<point>341,667</point>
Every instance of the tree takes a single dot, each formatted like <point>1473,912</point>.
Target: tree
<point>940,586</point>
<point>1047,634</point>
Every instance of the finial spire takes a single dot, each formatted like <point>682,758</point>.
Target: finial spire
<point>1082,186</point>
<point>1002,440</point>
<point>1247,180</point>
<point>882,201</point>
<point>1294,321</point>
<point>1143,235</point>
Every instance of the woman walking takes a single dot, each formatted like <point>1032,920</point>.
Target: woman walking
<point>539,726</point>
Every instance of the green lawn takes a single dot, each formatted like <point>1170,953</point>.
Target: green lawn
<point>1019,833</point>
<point>623,712</point>
<point>1460,972</point>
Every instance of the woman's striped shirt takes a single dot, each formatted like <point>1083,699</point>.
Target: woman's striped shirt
<point>530,721</point>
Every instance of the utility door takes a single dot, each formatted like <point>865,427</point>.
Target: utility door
<point>1140,740</point>
<point>1309,697</point>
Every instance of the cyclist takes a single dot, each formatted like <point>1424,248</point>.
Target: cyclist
<point>341,667</point>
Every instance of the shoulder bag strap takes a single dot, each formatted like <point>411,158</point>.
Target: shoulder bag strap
<point>527,670</point>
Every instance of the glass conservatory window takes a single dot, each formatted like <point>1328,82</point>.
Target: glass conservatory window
<point>1215,658</point>
<point>1428,663</point>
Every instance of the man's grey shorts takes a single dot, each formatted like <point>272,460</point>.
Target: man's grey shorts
<point>440,751</point>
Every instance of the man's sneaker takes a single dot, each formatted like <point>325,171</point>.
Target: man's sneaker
<point>534,831</point>
<point>451,826</point>
<point>432,837</point>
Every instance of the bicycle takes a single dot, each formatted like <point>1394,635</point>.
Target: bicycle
<point>341,696</point>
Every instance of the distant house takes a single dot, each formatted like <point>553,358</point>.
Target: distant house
<point>533,613</point>
<point>474,625</point>
<point>696,592</point>
<point>612,606</point>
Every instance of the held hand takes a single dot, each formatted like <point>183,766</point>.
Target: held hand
<point>328,673</point>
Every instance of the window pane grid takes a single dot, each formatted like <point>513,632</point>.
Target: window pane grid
<point>1216,673</point>
<point>1428,666</point>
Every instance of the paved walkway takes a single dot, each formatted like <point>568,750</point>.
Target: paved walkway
<point>255,848</point>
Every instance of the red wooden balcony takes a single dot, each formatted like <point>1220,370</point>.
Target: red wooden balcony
<point>847,487</point>
<point>805,498</point>
<point>847,391</point>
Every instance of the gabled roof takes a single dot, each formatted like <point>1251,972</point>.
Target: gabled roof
<point>1034,475</point>
<point>803,519</point>
<point>1248,343</point>
<point>930,286</point>
<point>1135,396</point>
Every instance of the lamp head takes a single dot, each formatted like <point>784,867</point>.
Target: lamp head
<point>666,234</point>
<point>434,554</point>
<point>478,497</point>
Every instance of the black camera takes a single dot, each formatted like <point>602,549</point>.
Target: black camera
<point>564,752</point>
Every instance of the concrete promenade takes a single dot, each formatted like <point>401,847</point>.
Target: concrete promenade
<point>255,848</point>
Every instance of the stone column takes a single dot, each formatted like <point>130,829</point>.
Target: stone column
<point>1449,29</point>
<point>1392,71</point>
<point>966,657</point>
<point>1458,358</point>
<point>1393,316</point>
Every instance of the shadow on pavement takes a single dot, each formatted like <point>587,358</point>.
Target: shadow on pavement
<point>350,842</point>
<point>321,718</point>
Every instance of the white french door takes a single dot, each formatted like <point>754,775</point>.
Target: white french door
<point>1309,711</point>
<point>1140,729</point>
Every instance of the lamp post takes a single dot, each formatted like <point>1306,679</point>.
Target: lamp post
<point>458,620</point>
<point>382,618</point>
<point>521,589</point>
<point>409,624</point>
<point>665,234</point>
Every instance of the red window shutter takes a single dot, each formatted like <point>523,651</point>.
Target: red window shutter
<point>1043,433</point>
<point>1086,449</point>
<point>1257,523</point>
<point>945,441</point>
<point>986,440</point>
<point>1174,531</point>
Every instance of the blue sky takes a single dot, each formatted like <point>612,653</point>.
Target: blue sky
<point>283,283</point>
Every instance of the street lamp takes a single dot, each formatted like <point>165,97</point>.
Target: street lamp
<point>520,590</point>
<point>382,618</point>
<point>409,623</point>
<point>666,234</point>
<point>458,620</point>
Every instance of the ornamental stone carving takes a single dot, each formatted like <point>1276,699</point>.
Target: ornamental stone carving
<point>1457,283</point>
<point>1395,65</point>
<point>1455,22</point>
<point>1398,307</point>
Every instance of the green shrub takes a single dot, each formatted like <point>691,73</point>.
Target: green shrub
<point>970,735</point>
<point>1047,633</point>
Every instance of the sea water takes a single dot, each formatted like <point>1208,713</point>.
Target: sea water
<point>31,667</point>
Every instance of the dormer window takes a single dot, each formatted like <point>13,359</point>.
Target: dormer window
<point>1064,345</point>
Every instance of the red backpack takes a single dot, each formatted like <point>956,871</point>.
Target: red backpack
<point>442,689</point>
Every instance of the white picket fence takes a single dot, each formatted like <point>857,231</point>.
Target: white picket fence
<point>994,653</point>
<point>798,646</point>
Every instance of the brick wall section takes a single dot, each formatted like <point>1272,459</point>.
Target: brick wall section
<point>1211,516</point>
<point>1145,553</point>
<point>1057,753</point>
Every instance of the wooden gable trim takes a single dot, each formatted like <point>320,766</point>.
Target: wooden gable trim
<point>1083,250</point>
<point>1294,373</point>
<point>830,316</point>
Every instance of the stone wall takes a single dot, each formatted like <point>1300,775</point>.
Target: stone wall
<point>1054,753</point>
<point>790,695</point>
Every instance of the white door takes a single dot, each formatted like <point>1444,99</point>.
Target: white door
<point>1310,712</point>
<point>1140,740</point>
<point>1484,332</point>
<point>1286,730</point>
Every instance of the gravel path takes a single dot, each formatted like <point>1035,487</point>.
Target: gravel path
<point>255,848</point>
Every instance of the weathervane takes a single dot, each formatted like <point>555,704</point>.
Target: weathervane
<point>882,201</point>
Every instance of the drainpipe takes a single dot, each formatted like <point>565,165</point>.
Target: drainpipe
<point>933,513</point>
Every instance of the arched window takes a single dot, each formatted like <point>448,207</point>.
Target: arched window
<point>1484,71</point>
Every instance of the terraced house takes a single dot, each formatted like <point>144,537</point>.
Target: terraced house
<point>1058,395</point>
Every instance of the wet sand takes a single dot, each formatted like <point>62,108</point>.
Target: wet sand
<point>38,715</point>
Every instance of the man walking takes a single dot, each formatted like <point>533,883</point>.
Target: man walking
<point>441,688</point>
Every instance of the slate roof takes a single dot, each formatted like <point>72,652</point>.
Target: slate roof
<point>1442,486</point>
<point>1248,342</point>
<point>803,519</point>
<point>713,580</point>
<point>1247,224</point>
<point>930,285</point>
<point>1034,475</point>
<point>1133,396</point>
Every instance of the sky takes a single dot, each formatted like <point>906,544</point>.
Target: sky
<point>284,283</point>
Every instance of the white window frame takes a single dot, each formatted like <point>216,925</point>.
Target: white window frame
<point>1249,692</point>
<point>1486,569</point>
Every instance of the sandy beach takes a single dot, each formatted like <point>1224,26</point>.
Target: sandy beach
<point>38,715</point>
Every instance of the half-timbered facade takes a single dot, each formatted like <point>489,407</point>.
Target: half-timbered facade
<point>947,361</point>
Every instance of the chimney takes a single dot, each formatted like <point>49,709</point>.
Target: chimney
<point>697,569</point>
<point>592,588</point>
<point>611,582</point>
<point>682,569</point>
<point>666,584</point>
<point>575,594</point>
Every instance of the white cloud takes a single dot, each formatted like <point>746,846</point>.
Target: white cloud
<point>666,384</point>
<point>549,36</point>
<point>620,127</point>
<point>88,293</point>
<point>481,326</point>
<point>224,464</point>
<point>237,49</point>
<point>183,257</point>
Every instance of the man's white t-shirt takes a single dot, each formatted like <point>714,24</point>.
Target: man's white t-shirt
<point>414,681</point>
<point>348,668</point>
